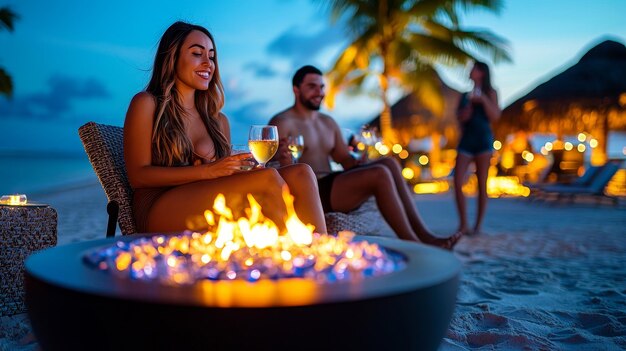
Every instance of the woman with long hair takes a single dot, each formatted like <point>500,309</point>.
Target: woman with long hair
<point>476,111</point>
<point>177,145</point>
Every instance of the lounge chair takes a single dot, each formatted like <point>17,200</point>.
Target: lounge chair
<point>583,180</point>
<point>590,184</point>
<point>104,145</point>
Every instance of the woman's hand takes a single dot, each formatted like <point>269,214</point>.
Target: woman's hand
<point>465,113</point>
<point>477,98</point>
<point>227,166</point>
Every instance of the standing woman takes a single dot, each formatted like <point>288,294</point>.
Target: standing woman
<point>177,145</point>
<point>476,111</point>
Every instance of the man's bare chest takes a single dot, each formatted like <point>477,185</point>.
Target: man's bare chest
<point>317,136</point>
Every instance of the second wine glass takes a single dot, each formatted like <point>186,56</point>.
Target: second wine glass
<point>296,146</point>
<point>263,142</point>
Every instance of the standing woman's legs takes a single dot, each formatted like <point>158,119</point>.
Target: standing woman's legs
<point>303,186</point>
<point>460,169</point>
<point>483,161</point>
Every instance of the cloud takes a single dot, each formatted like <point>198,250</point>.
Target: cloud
<point>301,48</point>
<point>261,70</point>
<point>56,102</point>
<point>241,118</point>
<point>250,113</point>
<point>233,90</point>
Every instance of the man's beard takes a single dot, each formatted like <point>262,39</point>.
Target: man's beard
<point>309,104</point>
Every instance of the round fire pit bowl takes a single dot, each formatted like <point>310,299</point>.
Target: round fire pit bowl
<point>73,306</point>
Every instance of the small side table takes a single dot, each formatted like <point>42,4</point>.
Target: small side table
<point>23,230</point>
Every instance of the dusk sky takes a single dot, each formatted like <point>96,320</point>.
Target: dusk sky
<point>77,61</point>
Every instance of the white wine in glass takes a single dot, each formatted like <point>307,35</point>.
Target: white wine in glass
<point>296,146</point>
<point>263,142</point>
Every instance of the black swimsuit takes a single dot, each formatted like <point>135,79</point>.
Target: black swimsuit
<point>477,137</point>
<point>325,187</point>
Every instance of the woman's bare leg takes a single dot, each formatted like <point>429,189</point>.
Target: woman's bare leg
<point>353,187</point>
<point>460,169</point>
<point>483,161</point>
<point>182,207</point>
<point>303,186</point>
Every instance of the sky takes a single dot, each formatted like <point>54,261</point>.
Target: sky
<point>74,61</point>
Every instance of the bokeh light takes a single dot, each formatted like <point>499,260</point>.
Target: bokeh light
<point>408,173</point>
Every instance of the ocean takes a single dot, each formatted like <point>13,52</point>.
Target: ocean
<point>33,173</point>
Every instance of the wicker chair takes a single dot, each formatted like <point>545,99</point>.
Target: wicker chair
<point>360,221</point>
<point>104,145</point>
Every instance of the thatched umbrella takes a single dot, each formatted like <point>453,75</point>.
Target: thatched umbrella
<point>412,120</point>
<point>589,96</point>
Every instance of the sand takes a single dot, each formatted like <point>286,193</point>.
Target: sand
<point>542,276</point>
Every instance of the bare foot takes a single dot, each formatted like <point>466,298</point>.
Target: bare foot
<point>476,231</point>
<point>464,231</point>
<point>444,243</point>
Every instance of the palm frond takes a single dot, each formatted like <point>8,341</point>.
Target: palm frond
<point>484,41</point>
<point>467,6</point>
<point>7,17</point>
<point>427,8</point>
<point>426,85</point>
<point>436,50</point>
<point>399,52</point>
<point>6,84</point>
<point>355,85</point>
<point>351,84</point>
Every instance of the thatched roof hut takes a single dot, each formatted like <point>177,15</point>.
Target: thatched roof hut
<point>412,120</point>
<point>589,96</point>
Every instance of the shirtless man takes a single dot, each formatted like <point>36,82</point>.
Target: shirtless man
<point>346,190</point>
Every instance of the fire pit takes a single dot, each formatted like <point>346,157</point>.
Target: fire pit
<point>106,294</point>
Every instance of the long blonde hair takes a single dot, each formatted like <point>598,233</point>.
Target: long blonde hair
<point>170,144</point>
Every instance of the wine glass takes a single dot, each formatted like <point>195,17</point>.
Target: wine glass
<point>295,146</point>
<point>367,136</point>
<point>263,142</point>
<point>236,149</point>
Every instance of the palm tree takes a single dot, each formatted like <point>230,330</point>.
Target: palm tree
<point>399,42</point>
<point>6,22</point>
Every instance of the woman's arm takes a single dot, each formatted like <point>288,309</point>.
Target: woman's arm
<point>138,152</point>
<point>464,109</point>
<point>490,104</point>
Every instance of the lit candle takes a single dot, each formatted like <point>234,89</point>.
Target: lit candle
<point>13,200</point>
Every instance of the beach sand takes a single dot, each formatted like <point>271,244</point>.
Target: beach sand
<point>542,276</point>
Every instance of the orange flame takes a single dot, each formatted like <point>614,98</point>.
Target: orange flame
<point>251,243</point>
<point>255,230</point>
